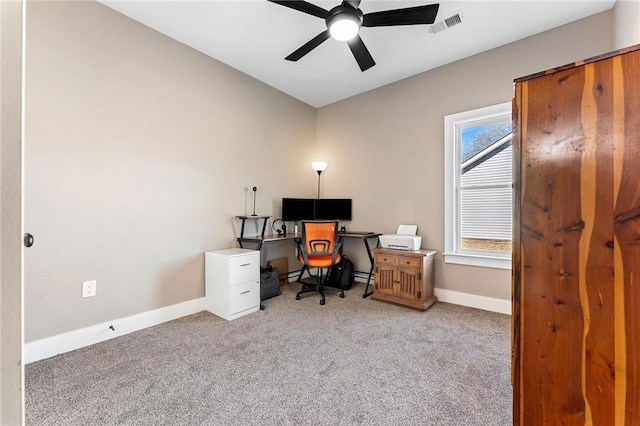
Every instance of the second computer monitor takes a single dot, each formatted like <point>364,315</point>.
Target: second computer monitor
<point>296,209</point>
<point>333,208</point>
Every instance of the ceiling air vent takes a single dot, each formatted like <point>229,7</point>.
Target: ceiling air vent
<point>446,23</point>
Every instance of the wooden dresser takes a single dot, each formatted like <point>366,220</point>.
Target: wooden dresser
<point>404,277</point>
<point>576,258</point>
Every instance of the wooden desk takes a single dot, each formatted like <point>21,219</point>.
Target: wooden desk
<point>366,238</point>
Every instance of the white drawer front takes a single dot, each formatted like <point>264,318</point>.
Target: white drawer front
<point>243,269</point>
<point>244,296</point>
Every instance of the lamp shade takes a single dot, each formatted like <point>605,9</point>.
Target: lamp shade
<point>319,166</point>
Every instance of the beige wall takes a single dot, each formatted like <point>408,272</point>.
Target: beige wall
<point>11,367</point>
<point>386,150</point>
<point>627,23</point>
<point>139,153</point>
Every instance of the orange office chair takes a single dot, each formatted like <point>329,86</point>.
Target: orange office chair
<point>319,248</point>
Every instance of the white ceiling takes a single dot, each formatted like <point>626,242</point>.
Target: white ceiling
<point>254,36</point>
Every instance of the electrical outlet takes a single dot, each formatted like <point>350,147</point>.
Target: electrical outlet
<point>89,288</point>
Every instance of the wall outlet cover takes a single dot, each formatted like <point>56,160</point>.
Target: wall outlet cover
<point>89,288</point>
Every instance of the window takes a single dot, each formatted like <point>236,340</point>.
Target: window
<point>478,190</point>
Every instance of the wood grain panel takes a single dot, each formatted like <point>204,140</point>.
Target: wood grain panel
<point>576,264</point>
<point>384,279</point>
<point>551,228</point>
<point>516,373</point>
<point>596,248</point>
<point>408,282</point>
<point>627,234</point>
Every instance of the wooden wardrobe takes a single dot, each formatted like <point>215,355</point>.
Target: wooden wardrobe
<point>576,258</point>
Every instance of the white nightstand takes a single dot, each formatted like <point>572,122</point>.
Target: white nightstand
<point>232,282</point>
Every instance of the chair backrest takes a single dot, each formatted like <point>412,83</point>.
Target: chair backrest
<point>320,237</point>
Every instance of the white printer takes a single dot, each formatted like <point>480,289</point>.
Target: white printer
<point>404,239</point>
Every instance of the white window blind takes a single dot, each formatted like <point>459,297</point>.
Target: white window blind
<point>478,187</point>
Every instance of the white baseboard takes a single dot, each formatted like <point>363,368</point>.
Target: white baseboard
<point>474,301</point>
<point>465,299</point>
<point>65,342</point>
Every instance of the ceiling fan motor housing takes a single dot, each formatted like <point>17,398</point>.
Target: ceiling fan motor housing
<point>344,12</point>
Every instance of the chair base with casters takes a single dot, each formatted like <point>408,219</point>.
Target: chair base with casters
<point>317,287</point>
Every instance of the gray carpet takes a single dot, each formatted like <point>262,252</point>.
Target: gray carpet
<point>353,361</point>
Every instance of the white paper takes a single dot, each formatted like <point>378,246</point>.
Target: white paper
<point>407,229</point>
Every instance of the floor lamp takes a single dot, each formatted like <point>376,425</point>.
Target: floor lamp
<point>319,166</point>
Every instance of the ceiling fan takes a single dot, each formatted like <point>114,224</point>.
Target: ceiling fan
<point>344,22</point>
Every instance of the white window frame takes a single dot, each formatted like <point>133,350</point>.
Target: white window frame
<point>452,130</point>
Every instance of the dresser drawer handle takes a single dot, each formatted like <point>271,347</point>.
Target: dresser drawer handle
<point>246,291</point>
<point>245,264</point>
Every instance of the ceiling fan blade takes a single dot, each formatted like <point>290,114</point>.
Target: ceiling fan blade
<point>308,46</point>
<point>353,3</point>
<point>408,16</point>
<point>361,53</point>
<point>303,6</point>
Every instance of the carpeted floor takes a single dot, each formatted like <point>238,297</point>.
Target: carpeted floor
<point>353,361</point>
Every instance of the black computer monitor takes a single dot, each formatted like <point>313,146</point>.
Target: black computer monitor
<point>295,209</point>
<point>333,208</point>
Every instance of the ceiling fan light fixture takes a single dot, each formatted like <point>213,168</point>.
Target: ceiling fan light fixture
<point>344,27</point>
<point>344,21</point>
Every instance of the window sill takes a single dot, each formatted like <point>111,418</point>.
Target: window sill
<point>478,260</point>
